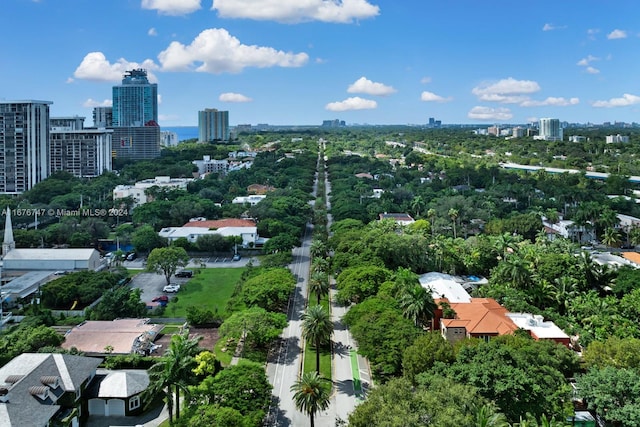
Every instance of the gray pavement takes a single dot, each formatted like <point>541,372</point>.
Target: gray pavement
<point>284,364</point>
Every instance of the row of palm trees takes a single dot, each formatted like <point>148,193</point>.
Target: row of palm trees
<point>311,392</point>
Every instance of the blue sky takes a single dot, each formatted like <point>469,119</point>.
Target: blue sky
<point>304,61</point>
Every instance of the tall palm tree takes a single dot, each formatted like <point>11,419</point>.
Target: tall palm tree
<point>453,214</point>
<point>173,371</point>
<point>431,214</point>
<point>319,284</point>
<point>417,304</point>
<point>311,394</point>
<point>417,204</point>
<point>317,327</point>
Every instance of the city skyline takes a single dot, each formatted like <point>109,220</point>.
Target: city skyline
<point>361,61</point>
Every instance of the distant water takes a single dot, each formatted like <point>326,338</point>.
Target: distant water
<point>184,132</point>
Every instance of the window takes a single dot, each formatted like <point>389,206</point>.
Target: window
<point>134,403</point>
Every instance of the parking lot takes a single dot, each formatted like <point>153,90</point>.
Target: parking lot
<point>151,284</point>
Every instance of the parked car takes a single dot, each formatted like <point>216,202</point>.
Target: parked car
<point>236,257</point>
<point>184,273</point>
<point>171,288</point>
<point>132,256</point>
<point>161,298</point>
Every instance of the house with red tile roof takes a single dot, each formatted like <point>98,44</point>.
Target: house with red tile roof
<point>479,318</point>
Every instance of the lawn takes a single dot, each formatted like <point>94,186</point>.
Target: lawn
<point>209,288</point>
<point>309,350</point>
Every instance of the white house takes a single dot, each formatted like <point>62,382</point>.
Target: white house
<point>138,191</point>
<point>192,230</point>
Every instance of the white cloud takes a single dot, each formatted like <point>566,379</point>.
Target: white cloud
<point>172,7</point>
<point>233,97</point>
<point>593,31</point>
<point>216,51</point>
<point>432,97</point>
<point>625,100</point>
<point>91,103</point>
<point>586,61</point>
<point>487,113</point>
<point>96,67</point>
<point>70,80</point>
<point>152,32</point>
<point>159,99</point>
<point>353,103</point>
<point>509,91</point>
<point>592,70</point>
<point>551,27</point>
<point>617,34</point>
<point>425,80</point>
<point>552,100</point>
<point>366,86</point>
<point>294,11</point>
<point>532,119</point>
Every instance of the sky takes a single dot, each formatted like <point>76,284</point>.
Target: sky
<point>299,62</point>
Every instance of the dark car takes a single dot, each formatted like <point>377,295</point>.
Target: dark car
<point>184,273</point>
<point>161,298</point>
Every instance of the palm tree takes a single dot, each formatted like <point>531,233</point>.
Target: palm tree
<point>611,237</point>
<point>453,214</point>
<point>431,214</point>
<point>311,394</point>
<point>416,204</point>
<point>317,328</point>
<point>319,284</point>
<point>417,304</point>
<point>486,416</point>
<point>318,248</point>
<point>174,370</point>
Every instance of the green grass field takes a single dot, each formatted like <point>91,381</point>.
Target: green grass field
<point>209,288</point>
<point>309,350</point>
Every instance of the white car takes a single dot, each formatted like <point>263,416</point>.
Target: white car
<point>171,288</point>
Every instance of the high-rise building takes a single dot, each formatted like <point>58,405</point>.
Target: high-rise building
<point>79,151</point>
<point>103,117</point>
<point>135,101</point>
<point>168,138</point>
<point>136,142</point>
<point>549,130</point>
<point>213,125</point>
<point>24,144</point>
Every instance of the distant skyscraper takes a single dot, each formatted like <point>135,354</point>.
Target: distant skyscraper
<point>550,130</point>
<point>213,125</point>
<point>136,133</point>
<point>135,101</point>
<point>103,117</point>
<point>168,138</point>
<point>24,144</point>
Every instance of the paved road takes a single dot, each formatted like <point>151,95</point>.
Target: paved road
<point>283,367</point>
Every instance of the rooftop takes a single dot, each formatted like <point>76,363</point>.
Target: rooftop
<point>47,254</point>
<point>122,335</point>
<point>481,316</point>
<point>444,286</point>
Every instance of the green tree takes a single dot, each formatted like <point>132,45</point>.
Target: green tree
<point>417,305</point>
<point>259,326</point>
<point>615,352</point>
<point>145,239</point>
<point>311,394</point>
<point>269,288</point>
<point>614,393</point>
<point>317,328</point>
<point>243,387</point>
<point>122,302</point>
<point>425,351</point>
<point>167,260</point>
<point>319,284</point>
<point>173,372</point>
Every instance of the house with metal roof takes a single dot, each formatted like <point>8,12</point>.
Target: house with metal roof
<point>41,389</point>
